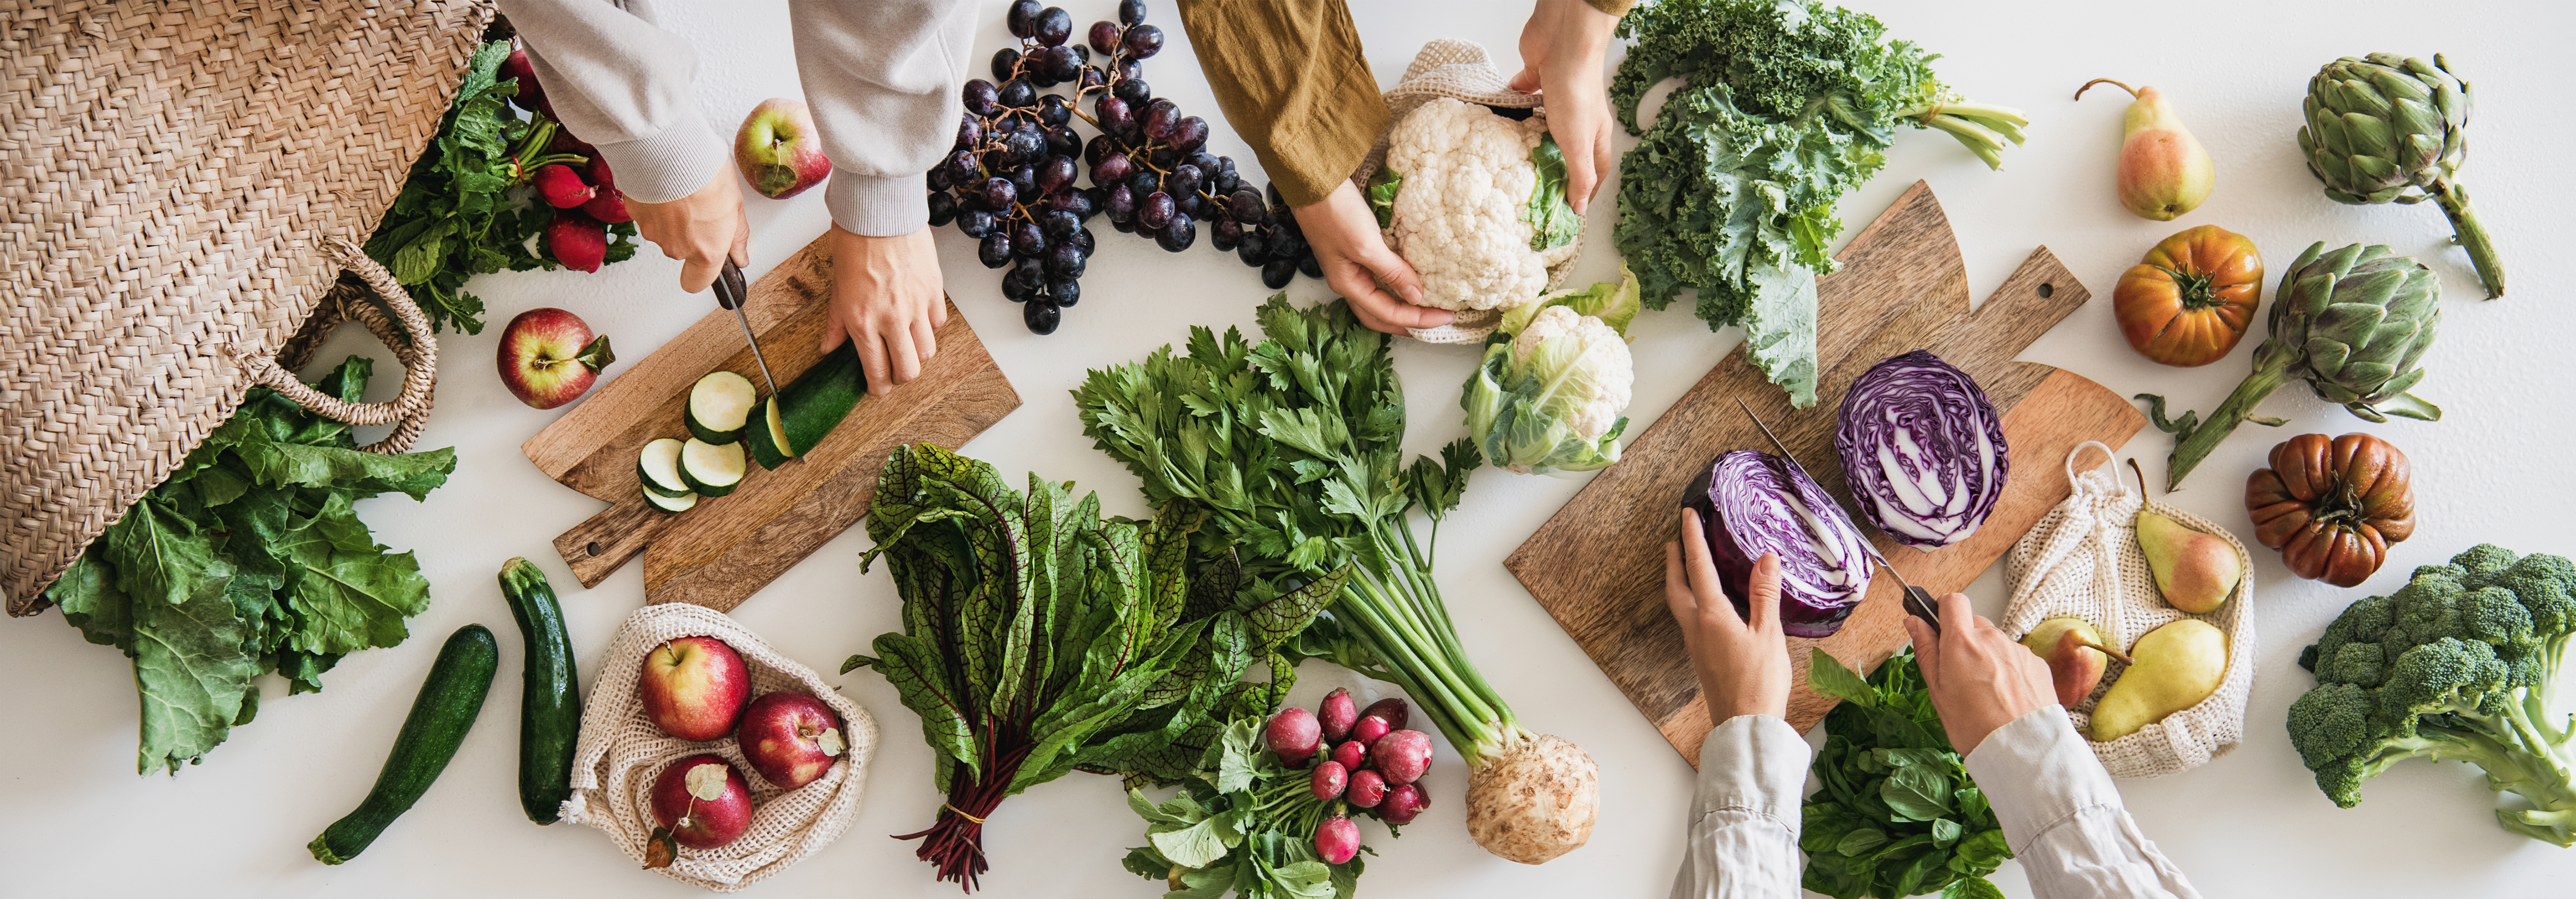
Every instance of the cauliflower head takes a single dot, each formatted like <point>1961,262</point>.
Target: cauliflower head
<point>1549,398</point>
<point>1476,203</point>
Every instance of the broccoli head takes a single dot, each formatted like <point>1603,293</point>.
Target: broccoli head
<point>2456,665</point>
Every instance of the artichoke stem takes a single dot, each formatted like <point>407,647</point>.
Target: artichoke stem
<point>2272,363</point>
<point>2472,235</point>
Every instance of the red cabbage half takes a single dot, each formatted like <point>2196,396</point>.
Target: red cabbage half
<point>1923,448</point>
<point>1754,503</point>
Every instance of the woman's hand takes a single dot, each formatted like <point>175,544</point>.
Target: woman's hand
<point>1980,679</point>
<point>1561,51</point>
<point>1344,235</point>
<point>700,230</point>
<point>887,295</point>
<point>1743,668</point>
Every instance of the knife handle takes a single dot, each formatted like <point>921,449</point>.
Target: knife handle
<point>729,286</point>
<point>1918,603</point>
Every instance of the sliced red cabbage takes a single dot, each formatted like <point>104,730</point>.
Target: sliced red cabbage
<point>1754,503</point>
<point>1923,449</point>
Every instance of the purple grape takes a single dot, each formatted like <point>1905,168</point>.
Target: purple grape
<point>1012,291</point>
<point>943,208</point>
<point>1059,225</point>
<point>1115,115</point>
<point>1143,41</point>
<point>1097,149</point>
<point>1027,239</point>
<point>1027,145</point>
<point>1251,250</point>
<point>1000,193</point>
<point>1024,183</point>
<point>1084,240</point>
<point>1053,26</point>
<point>995,251</point>
<point>1308,266</point>
<point>1052,110</point>
<point>1244,206</point>
<point>969,132</point>
<point>1082,54</point>
<point>982,98</point>
<point>1157,210</point>
<point>1002,125</point>
<point>1016,93</point>
<point>1079,203</point>
<point>1090,78</point>
<point>1276,273</point>
<point>1022,19</point>
<point>1144,181</point>
<point>1026,276</point>
<point>1112,170</point>
<point>1226,233</point>
<point>1006,64</point>
<point>1131,11</point>
<point>1061,141</point>
<point>1179,234</point>
<point>1065,293</point>
<point>1104,36</point>
<point>1066,261</point>
<point>1125,226</point>
<point>1121,206</point>
<point>1159,117</point>
<point>1041,316</point>
<point>1163,158</point>
<point>974,223</point>
<point>1060,63</point>
<point>1189,133</point>
<point>1183,180</point>
<point>1132,89</point>
<point>1054,174</point>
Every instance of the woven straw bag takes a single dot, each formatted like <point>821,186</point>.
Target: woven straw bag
<point>183,183</point>
<point>2082,560</point>
<point>620,754</point>
<point>1449,67</point>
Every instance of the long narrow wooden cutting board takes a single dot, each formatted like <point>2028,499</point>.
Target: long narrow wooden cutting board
<point>729,547</point>
<point>1598,564</point>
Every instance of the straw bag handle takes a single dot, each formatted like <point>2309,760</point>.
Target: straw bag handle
<point>410,339</point>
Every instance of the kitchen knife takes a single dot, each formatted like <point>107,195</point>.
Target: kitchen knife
<point>1918,601</point>
<point>730,292</point>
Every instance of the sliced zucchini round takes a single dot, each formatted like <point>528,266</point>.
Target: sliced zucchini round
<point>760,437</point>
<point>659,468</point>
<point>718,405</point>
<point>712,469</point>
<point>681,503</point>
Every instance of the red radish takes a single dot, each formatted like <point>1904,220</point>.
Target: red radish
<point>1366,788</point>
<point>1337,839</point>
<point>532,96</point>
<point>610,205</point>
<point>1403,803</point>
<point>1368,729</point>
<point>1351,754</point>
<point>1292,736</point>
<point>561,187</point>
<point>1337,714</point>
<point>576,240</point>
<point>1330,779</point>
<point>564,142</point>
<point>696,821</point>
<point>1402,756</point>
<point>1392,710</point>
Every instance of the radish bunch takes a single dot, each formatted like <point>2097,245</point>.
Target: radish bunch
<point>573,178</point>
<point>1369,761</point>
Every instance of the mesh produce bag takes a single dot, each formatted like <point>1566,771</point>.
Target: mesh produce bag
<point>620,753</point>
<point>1449,67</point>
<point>2082,561</point>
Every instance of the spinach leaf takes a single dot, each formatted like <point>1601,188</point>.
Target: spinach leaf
<point>1897,814</point>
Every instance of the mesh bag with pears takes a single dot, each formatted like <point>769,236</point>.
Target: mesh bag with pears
<point>2170,591</point>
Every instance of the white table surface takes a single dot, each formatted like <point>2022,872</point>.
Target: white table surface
<point>78,822</point>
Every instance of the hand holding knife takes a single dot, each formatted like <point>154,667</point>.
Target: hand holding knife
<point>1918,602</point>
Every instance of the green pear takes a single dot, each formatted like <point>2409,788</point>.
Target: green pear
<point>2177,666</point>
<point>2195,571</point>
<point>2075,655</point>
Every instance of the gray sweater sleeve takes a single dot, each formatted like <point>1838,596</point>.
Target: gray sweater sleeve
<point>619,81</point>
<point>882,78</point>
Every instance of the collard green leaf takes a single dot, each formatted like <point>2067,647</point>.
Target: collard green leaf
<point>192,673</point>
<point>162,558</point>
<point>349,593</point>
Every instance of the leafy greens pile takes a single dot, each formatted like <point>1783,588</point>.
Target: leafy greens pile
<point>1897,815</point>
<point>1784,107</point>
<point>1243,823</point>
<point>250,559</point>
<point>456,216</point>
<point>1040,638</point>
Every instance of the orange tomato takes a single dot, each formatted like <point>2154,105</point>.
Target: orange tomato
<point>2191,299</point>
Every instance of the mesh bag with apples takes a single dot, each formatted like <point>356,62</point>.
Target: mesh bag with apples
<point>621,755</point>
<point>2083,561</point>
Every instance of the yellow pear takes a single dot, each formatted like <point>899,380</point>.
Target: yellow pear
<point>2163,171</point>
<point>2195,571</point>
<point>2075,655</point>
<point>2177,666</point>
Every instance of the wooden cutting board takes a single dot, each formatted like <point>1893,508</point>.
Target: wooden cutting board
<point>729,547</point>
<point>1598,564</point>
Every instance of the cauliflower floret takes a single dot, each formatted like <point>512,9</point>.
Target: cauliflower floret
<point>1588,372</point>
<point>1460,217</point>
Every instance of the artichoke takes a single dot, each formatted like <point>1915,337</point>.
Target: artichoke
<point>2390,129</point>
<point>2353,323</point>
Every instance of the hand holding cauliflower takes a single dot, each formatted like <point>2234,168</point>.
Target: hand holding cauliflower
<point>1476,203</point>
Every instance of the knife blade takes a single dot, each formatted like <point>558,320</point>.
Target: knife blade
<point>730,293</point>
<point>1918,601</point>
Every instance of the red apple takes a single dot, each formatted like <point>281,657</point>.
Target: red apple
<point>713,814</point>
<point>694,688</point>
<point>778,150</point>
<point>548,357</point>
<point>790,738</point>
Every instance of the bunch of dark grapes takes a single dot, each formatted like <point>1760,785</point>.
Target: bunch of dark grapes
<point>1010,182</point>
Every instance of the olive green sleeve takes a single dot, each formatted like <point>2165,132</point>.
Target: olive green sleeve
<point>1293,82</point>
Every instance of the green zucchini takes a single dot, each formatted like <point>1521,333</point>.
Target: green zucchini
<point>550,693</point>
<point>681,503</point>
<point>718,404</point>
<point>809,407</point>
<point>762,437</point>
<point>440,716</point>
<point>711,469</point>
<point>658,466</point>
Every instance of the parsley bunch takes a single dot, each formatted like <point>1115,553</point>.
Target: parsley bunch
<point>1784,107</point>
<point>250,559</point>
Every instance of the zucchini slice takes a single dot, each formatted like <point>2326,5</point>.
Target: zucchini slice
<point>718,404</point>
<point>659,468</point>
<point>764,436</point>
<point>671,503</point>
<point>712,469</point>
